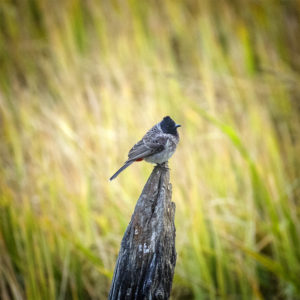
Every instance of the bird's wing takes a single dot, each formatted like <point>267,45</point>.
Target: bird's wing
<point>146,147</point>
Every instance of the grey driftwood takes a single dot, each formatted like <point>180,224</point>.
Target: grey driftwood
<point>147,258</point>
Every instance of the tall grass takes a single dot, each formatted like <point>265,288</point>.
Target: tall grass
<point>81,81</point>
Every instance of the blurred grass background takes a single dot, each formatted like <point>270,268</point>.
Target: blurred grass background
<point>81,82</point>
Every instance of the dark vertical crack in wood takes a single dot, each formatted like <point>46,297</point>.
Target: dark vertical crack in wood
<point>147,258</point>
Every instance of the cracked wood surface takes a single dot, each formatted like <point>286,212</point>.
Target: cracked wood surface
<point>147,258</point>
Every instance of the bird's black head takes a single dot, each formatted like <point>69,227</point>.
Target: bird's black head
<point>169,126</point>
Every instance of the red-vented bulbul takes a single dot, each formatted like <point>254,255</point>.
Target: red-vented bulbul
<point>156,146</point>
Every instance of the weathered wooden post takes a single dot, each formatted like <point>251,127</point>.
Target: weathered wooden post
<point>147,258</point>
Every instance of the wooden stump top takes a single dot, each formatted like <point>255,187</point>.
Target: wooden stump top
<point>147,258</point>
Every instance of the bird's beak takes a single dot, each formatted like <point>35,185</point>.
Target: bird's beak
<point>177,125</point>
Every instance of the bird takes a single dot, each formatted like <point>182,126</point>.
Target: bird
<point>156,146</point>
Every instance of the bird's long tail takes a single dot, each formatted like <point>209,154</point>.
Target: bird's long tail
<point>127,164</point>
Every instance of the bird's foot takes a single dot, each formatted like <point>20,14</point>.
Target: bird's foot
<point>163,165</point>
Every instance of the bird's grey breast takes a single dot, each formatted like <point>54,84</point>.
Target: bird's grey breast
<point>167,143</point>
